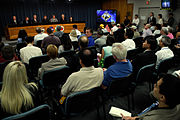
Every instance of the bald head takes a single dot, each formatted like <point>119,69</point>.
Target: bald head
<point>83,42</point>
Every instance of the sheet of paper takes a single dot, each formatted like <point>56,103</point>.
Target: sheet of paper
<point>116,112</point>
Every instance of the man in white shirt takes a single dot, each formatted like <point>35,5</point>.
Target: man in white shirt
<point>87,78</point>
<point>147,31</point>
<point>29,51</point>
<point>114,28</point>
<point>77,31</point>
<point>136,20</point>
<point>39,36</point>
<point>129,43</point>
<point>165,52</point>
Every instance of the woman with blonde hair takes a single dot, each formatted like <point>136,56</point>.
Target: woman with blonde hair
<point>16,95</point>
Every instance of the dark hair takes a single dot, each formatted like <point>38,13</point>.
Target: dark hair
<point>152,41</point>
<point>22,34</point>
<point>84,29</point>
<point>152,13</point>
<point>66,41</point>
<point>110,40</point>
<point>91,31</point>
<point>160,15</point>
<point>100,32</point>
<point>158,26</point>
<point>122,26</point>
<point>170,89</point>
<point>171,14</point>
<point>49,30</point>
<point>58,28</point>
<point>75,26</point>
<point>38,30</point>
<point>129,33</point>
<point>29,39</point>
<point>136,15</point>
<point>8,52</point>
<point>83,41</point>
<point>1,46</point>
<point>86,57</point>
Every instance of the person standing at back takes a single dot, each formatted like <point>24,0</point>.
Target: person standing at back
<point>151,20</point>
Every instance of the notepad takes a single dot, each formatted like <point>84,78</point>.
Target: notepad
<point>116,112</point>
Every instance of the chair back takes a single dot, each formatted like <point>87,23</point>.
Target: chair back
<point>165,65</point>
<point>35,64</point>
<point>75,45</point>
<point>108,61</point>
<point>120,86</point>
<point>2,68</point>
<point>20,45</point>
<point>80,102</point>
<point>53,78</point>
<point>39,43</point>
<point>41,112</point>
<point>138,41</point>
<point>131,54</point>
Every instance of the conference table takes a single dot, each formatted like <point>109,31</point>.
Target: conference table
<point>12,31</point>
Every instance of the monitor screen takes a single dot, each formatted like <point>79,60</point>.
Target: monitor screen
<point>166,4</point>
<point>106,16</point>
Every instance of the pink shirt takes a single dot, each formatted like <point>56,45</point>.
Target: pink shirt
<point>170,35</point>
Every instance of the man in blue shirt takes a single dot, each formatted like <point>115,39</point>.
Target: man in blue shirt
<point>89,33</point>
<point>121,68</point>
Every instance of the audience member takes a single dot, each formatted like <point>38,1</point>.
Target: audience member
<point>148,56</point>
<point>63,20</point>
<point>126,21</point>
<point>54,62</point>
<point>53,19</point>
<point>29,51</point>
<point>119,33</point>
<point>40,35</point>
<point>17,95</point>
<point>136,20</point>
<point>83,42</point>
<point>160,21</point>
<point>136,33</point>
<point>58,32</point>
<point>157,29</point>
<point>106,51</point>
<point>170,30</point>
<point>151,20</point>
<point>121,68</point>
<point>45,20</point>
<point>147,31</point>
<point>129,43</point>
<point>87,78</point>
<point>73,36</point>
<point>165,52</point>
<point>164,32</point>
<point>77,31</point>
<point>51,39</point>
<point>171,20</point>
<point>22,35</point>
<point>89,33</point>
<point>100,41</point>
<point>167,106</point>
<point>65,43</point>
<point>34,20</point>
<point>114,27</point>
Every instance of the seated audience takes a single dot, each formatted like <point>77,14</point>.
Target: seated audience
<point>17,95</point>
<point>106,51</point>
<point>178,32</point>
<point>87,78</point>
<point>29,51</point>
<point>136,33</point>
<point>121,68</point>
<point>160,21</point>
<point>83,42</point>
<point>119,33</point>
<point>77,31</point>
<point>40,35</point>
<point>51,39</point>
<point>89,33</point>
<point>148,56</point>
<point>58,32</point>
<point>170,35</point>
<point>136,20</point>
<point>129,43</point>
<point>126,21</point>
<point>164,32</point>
<point>101,40</point>
<point>114,28</point>
<point>73,36</point>
<point>22,35</point>
<point>165,52</point>
<point>54,61</point>
<point>157,29</point>
<point>65,43</point>
<point>167,106</point>
<point>147,31</point>
<point>53,19</point>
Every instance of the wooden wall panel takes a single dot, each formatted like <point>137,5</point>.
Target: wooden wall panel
<point>121,6</point>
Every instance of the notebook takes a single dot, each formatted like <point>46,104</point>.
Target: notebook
<point>116,112</point>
